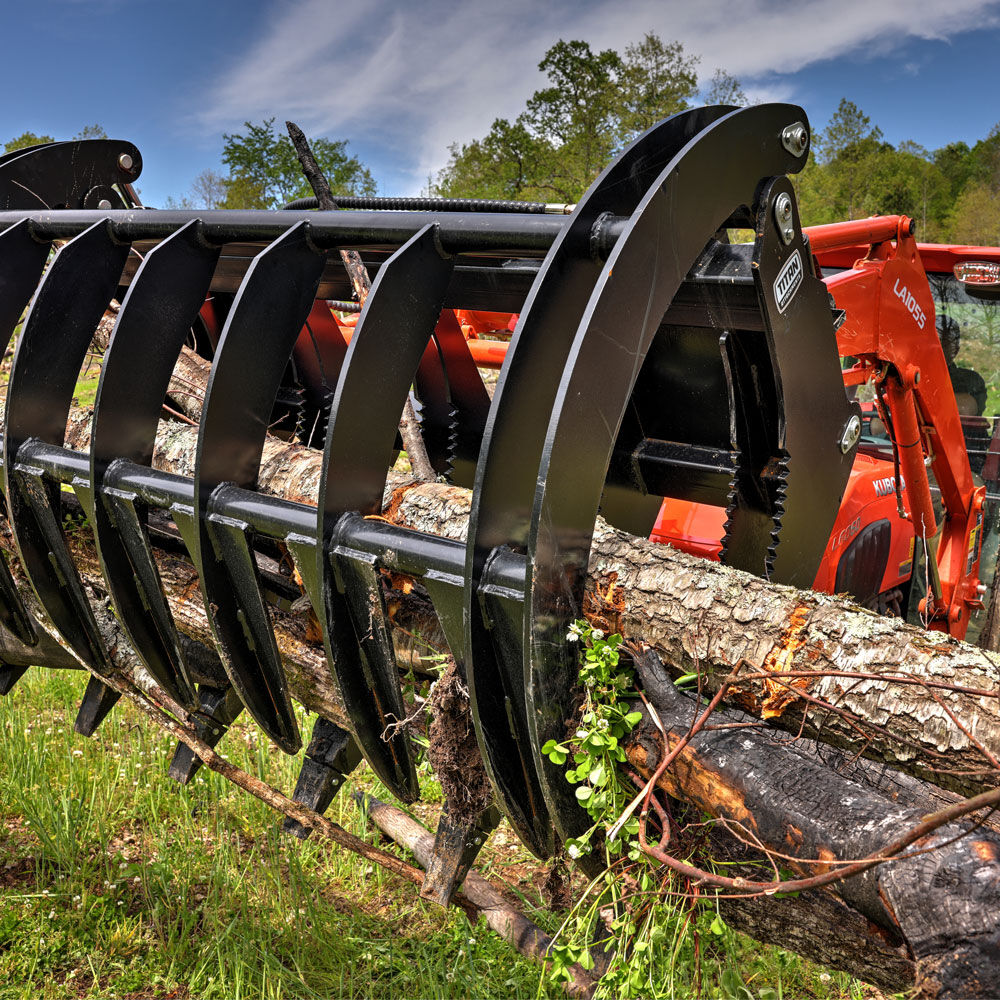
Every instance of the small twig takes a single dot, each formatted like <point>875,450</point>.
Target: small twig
<point>177,415</point>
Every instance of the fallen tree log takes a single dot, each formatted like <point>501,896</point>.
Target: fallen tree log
<point>780,790</point>
<point>686,610</point>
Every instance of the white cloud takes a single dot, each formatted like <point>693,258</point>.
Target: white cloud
<point>413,80</point>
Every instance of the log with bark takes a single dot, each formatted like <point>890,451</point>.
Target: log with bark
<point>914,703</point>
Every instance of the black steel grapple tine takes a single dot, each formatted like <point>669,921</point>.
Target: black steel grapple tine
<point>98,700</point>
<point>70,302</point>
<point>10,674</point>
<point>154,321</point>
<point>13,614</point>
<point>22,259</point>
<point>457,843</point>
<point>454,402</point>
<point>218,708</point>
<point>508,467</point>
<point>813,465</point>
<point>265,319</point>
<point>694,195</point>
<point>76,173</point>
<point>392,333</point>
<point>331,755</point>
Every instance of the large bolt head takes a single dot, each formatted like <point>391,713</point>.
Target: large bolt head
<point>125,161</point>
<point>783,217</point>
<point>851,434</point>
<point>795,138</point>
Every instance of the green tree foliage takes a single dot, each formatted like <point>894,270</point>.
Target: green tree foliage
<point>24,140</point>
<point>91,132</point>
<point>594,104</point>
<point>854,173</point>
<point>27,139</point>
<point>264,171</point>
<point>975,218</point>
<point>724,88</point>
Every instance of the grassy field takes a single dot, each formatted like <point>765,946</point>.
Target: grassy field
<point>117,883</point>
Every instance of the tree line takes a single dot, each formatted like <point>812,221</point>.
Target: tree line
<point>593,104</point>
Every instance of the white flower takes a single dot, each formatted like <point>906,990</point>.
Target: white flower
<point>573,851</point>
<point>572,636</point>
<point>596,634</point>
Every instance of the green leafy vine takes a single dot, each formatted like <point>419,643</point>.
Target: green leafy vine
<point>628,915</point>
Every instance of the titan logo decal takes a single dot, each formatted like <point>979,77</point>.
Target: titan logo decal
<point>883,487</point>
<point>905,296</point>
<point>788,281</point>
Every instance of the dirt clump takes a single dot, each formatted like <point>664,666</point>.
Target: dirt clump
<point>454,752</point>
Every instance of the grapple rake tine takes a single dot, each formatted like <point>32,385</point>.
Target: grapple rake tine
<point>331,755</point>
<point>98,700</point>
<point>154,320</point>
<point>218,708</point>
<point>389,341</point>
<point>457,843</point>
<point>68,305</point>
<point>694,195</point>
<point>22,259</point>
<point>812,401</point>
<point>10,674</point>
<point>508,467</point>
<point>266,317</point>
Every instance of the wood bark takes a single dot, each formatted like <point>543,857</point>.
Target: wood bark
<point>704,616</point>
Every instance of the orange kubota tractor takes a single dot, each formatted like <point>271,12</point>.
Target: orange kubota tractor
<point>783,404</point>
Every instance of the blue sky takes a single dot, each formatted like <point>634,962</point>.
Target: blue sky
<point>402,82</point>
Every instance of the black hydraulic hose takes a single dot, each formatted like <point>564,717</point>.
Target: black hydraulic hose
<point>372,203</point>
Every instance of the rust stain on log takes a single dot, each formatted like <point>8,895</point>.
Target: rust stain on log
<point>985,851</point>
<point>391,511</point>
<point>694,779</point>
<point>779,694</point>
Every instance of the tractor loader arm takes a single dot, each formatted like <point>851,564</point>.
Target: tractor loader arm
<point>889,328</point>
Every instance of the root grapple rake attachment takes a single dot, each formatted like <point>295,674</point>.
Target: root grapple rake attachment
<point>652,358</point>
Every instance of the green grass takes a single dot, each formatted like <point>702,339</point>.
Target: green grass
<point>116,882</point>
